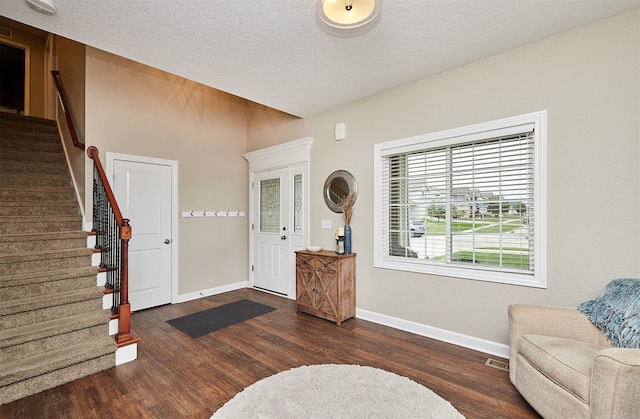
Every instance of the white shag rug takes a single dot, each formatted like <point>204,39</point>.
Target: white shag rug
<point>336,391</point>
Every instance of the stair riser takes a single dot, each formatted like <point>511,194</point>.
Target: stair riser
<point>34,227</point>
<point>44,382</point>
<point>49,313</point>
<point>33,211</point>
<point>19,267</point>
<point>45,288</point>
<point>24,350</point>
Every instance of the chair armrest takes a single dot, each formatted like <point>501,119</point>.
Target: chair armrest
<point>561,322</point>
<point>615,384</point>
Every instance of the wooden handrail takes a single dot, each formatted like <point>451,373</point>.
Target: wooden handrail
<point>124,336</point>
<point>94,155</point>
<point>67,110</point>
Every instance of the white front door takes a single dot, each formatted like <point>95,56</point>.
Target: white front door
<point>144,193</point>
<point>272,244</point>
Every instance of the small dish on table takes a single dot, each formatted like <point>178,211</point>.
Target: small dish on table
<point>314,248</point>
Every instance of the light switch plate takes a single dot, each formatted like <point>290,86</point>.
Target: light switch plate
<point>325,224</point>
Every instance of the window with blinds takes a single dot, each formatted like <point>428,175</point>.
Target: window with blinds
<point>465,202</point>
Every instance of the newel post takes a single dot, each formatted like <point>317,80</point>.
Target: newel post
<point>124,311</point>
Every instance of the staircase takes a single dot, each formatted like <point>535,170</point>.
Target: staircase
<point>53,329</point>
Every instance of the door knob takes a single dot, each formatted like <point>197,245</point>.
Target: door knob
<point>167,241</point>
<point>283,237</point>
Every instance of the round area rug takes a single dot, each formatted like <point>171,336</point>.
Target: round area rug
<point>336,391</point>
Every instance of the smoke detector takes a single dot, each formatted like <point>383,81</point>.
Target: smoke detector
<point>42,6</point>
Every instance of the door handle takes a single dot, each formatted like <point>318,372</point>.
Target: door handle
<point>167,241</point>
<point>283,237</point>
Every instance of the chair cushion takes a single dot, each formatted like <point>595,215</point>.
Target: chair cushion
<point>566,362</point>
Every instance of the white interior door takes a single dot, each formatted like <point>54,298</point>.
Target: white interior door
<point>272,231</point>
<point>144,193</point>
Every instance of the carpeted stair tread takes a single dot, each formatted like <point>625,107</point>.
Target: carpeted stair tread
<point>16,138</point>
<point>8,119</point>
<point>53,379</point>
<point>23,179</point>
<point>20,149</point>
<point>35,168</point>
<point>46,276</point>
<point>31,284</point>
<point>33,332</point>
<point>40,261</point>
<point>50,313</point>
<point>35,242</point>
<point>54,360</point>
<point>32,156</point>
<point>16,134</point>
<point>57,341</point>
<point>51,300</point>
<point>39,193</point>
<point>16,224</point>
<point>39,209</point>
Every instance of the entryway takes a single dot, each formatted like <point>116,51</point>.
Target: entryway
<point>278,213</point>
<point>14,78</point>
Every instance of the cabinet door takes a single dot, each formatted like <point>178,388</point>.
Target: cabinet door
<point>305,287</point>
<point>327,292</point>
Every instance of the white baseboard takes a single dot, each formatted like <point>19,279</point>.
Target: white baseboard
<point>455,338</point>
<point>211,291</point>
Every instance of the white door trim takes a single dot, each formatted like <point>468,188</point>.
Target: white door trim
<point>110,159</point>
<point>292,153</point>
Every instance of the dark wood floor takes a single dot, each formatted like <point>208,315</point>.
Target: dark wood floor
<point>176,376</point>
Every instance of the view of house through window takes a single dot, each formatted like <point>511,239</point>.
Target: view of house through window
<point>467,201</point>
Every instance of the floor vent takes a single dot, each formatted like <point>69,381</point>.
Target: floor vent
<point>501,365</point>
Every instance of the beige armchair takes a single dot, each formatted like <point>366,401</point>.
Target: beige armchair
<point>566,367</point>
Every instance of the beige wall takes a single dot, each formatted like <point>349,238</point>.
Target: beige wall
<point>71,57</point>
<point>134,109</point>
<point>589,81</point>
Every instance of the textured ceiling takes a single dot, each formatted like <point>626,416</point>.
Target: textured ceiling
<point>279,54</point>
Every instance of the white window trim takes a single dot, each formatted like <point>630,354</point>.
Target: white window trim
<point>447,137</point>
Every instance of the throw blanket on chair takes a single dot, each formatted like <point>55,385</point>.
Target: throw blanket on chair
<point>617,312</point>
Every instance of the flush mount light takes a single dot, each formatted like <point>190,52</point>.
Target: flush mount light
<point>347,14</point>
<point>42,6</point>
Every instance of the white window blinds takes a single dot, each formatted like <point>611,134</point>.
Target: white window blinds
<point>464,202</point>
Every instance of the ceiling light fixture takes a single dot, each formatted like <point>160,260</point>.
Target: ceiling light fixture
<point>42,6</point>
<point>346,14</point>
